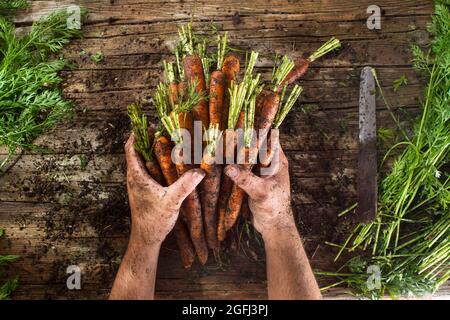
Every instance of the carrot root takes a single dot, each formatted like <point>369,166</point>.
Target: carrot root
<point>163,154</point>
<point>184,244</point>
<point>300,68</point>
<point>192,212</point>
<point>225,191</point>
<point>210,188</point>
<point>216,98</point>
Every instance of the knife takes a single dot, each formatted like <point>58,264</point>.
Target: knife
<point>367,155</point>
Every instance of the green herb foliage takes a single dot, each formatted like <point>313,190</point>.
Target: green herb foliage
<point>30,100</point>
<point>400,82</point>
<point>98,57</point>
<point>410,238</point>
<point>7,288</point>
<point>6,5</point>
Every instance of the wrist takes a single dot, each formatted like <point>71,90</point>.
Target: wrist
<point>281,229</point>
<point>143,238</point>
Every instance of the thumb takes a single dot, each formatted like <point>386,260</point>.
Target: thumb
<point>253,185</point>
<point>179,190</point>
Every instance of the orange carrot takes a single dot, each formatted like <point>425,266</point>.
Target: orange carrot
<point>192,209</point>
<point>300,68</point>
<point>237,195</point>
<point>230,67</point>
<point>152,164</point>
<point>184,243</point>
<point>302,65</point>
<point>193,71</point>
<point>154,171</point>
<point>228,185</point>
<point>217,90</point>
<point>225,188</point>
<point>268,107</point>
<point>182,87</point>
<point>172,92</point>
<point>210,188</point>
<point>163,154</point>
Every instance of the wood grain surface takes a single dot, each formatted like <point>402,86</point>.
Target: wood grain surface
<point>68,206</point>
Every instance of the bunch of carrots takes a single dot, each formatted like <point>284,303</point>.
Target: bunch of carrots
<point>206,87</point>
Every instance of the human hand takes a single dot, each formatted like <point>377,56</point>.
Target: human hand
<point>269,196</point>
<point>154,208</point>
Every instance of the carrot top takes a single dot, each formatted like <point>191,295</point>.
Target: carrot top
<point>186,43</point>
<point>249,121</point>
<point>238,93</point>
<point>213,136</point>
<point>242,94</point>
<point>172,126</point>
<point>161,100</point>
<point>279,73</point>
<point>169,72</point>
<point>221,49</point>
<point>327,47</point>
<point>185,100</point>
<point>286,106</point>
<point>140,131</point>
<point>205,59</point>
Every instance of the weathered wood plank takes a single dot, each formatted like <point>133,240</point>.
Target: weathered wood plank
<point>58,212</point>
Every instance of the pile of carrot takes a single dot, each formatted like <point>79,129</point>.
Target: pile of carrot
<point>204,84</point>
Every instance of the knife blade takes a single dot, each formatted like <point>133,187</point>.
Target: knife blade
<point>367,155</point>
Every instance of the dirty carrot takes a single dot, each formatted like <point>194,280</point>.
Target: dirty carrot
<point>217,87</point>
<point>163,150</point>
<point>268,102</point>
<point>239,95</point>
<point>193,71</point>
<point>230,67</point>
<point>302,65</point>
<point>247,155</point>
<point>216,98</point>
<point>285,107</point>
<point>210,185</point>
<point>192,209</point>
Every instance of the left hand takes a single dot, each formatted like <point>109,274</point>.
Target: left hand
<point>154,208</point>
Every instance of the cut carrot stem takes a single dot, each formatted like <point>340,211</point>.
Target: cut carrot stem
<point>230,67</point>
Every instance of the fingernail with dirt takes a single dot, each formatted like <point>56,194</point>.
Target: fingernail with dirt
<point>232,172</point>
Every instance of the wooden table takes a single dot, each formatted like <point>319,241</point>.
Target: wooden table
<point>68,207</point>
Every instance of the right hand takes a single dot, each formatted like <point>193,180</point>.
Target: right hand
<point>269,196</point>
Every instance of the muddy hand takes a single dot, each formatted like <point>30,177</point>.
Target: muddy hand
<point>154,208</point>
<point>269,196</point>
